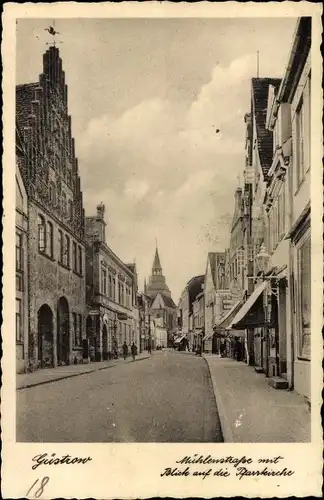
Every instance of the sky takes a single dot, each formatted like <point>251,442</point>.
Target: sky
<point>146,97</point>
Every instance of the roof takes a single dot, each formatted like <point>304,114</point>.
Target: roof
<point>25,94</point>
<point>194,287</point>
<point>260,90</point>
<point>156,262</point>
<point>168,301</point>
<point>297,58</point>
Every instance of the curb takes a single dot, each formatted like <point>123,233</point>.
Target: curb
<point>225,426</point>
<point>27,386</point>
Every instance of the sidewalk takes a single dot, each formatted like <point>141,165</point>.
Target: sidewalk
<point>46,375</point>
<point>251,411</point>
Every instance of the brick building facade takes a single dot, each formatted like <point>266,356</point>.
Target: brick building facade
<point>56,262</point>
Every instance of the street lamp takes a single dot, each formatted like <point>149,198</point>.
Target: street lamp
<point>262,260</point>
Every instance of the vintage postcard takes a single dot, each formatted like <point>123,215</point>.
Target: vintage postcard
<point>162,249</point>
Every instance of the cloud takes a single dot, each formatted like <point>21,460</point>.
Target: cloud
<point>169,175</point>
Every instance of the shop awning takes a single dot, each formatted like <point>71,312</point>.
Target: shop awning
<point>225,320</point>
<point>178,340</point>
<point>251,314</point>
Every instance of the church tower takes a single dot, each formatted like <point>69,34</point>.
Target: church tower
<point>157,282</point>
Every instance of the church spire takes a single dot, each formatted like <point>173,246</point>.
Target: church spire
<point>156,268</point>
<point>145,285</point>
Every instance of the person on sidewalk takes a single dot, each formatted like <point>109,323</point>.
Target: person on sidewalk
<point>134,350</point>
<point>125,350</point>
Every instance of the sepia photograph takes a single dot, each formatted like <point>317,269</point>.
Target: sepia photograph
<point>163,230</point>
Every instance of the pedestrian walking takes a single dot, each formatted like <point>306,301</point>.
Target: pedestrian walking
<point>125,350</point>
<point>134,350</point>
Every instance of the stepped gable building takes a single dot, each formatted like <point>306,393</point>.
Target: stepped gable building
<point>56,263</point>
<point>162,305</point>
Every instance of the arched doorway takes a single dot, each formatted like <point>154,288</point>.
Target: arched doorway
<point>63,332</point>
<point>45,336</point>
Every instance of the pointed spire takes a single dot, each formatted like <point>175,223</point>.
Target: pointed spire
<point>156,263</point>
<point>145,285</point>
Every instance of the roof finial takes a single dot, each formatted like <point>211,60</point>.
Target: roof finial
<point>52,31</point>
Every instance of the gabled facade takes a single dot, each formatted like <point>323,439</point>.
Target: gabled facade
<point>56,246</point>
<point>164,309</point>
<point>214,282</point>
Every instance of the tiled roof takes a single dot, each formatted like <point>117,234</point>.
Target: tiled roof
<point>194,287</point>
<point>168,301</point>
<point>260,89</point>
<point>25,94</point>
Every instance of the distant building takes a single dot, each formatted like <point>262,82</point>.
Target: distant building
<point>214,282</point>
<point>111,294</point>
<point>162,304</point>
<point>144,305</point>
<point>194,286</point>
<point>56,263</point>
<point>198,315</point>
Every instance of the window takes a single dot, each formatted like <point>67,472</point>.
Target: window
<point>282,214</point>
<point>19,321</point>
<point>74,256</point>
<point>80,260</point>
<point>303,309</point>
<point>75,328</point>
<point>41,233</point>
<point>300,153</point>
<point>67,251</point>
<point>50,239</point>
<point>114,289</point>
<point>79,338</point>
<point>19,252</point>
<point>61,246</point>
<point>110,286</point>
<point>104,282</point>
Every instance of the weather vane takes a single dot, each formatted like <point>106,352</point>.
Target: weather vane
<point>52,31</point>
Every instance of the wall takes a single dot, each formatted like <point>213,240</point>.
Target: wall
<point>301,193</point>
<point>49,281</point>
<point>22,294</point>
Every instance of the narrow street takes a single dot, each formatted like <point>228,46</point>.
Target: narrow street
<point>166,398</point>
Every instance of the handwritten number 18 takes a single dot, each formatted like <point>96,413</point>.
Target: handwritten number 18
<point>40,490</point>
